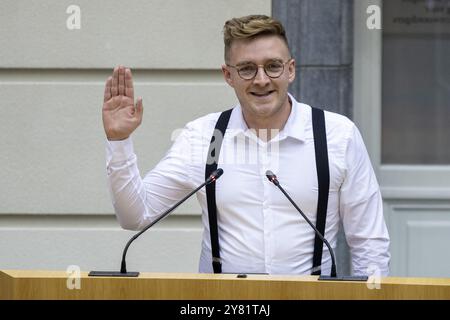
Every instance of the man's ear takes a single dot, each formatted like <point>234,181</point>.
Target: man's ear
<point>227,75</point>
<point>291,68</point>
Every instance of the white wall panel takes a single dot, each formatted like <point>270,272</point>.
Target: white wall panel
<point>53,155</point>
<point>143,34</point>
<point>97,243</point>
<point>420,234</point>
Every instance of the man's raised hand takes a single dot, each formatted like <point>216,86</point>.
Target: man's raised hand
<point>120,115</point>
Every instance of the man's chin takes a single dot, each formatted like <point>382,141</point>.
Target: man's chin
<point>263,110</point>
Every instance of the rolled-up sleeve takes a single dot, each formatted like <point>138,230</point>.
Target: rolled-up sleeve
<point>361,211</point>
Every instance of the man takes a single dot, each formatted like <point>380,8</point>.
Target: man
<point>259,231</point>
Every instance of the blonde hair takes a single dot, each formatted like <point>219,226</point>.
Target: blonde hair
<point>249,27</point>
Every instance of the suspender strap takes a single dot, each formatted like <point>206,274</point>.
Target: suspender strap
<point>211,165</point>
<point>323,178</point>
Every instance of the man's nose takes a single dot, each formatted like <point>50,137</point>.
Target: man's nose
<point>261,77</point>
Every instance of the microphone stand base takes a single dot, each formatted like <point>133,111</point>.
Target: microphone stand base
<point>112,274</point>
<point>344,278</point>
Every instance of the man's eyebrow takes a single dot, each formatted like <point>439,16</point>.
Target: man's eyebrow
<point>251,62</point>
<point>245,62</point>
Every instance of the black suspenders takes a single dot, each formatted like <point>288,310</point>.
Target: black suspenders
<point>323,177</point>
<point>211,165</point>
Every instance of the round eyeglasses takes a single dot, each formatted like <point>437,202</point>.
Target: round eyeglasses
<point>248,71</point>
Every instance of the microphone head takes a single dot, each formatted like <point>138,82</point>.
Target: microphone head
<point>214,176</point>
<point>217,173</point>
<point>270,174</point>
<point>272,177</point>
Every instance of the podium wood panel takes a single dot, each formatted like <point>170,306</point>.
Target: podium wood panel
<point>27,284</point>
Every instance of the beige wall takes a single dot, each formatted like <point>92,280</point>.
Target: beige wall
<point>55,210</point>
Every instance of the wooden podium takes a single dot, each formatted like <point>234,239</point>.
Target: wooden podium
<point>27,284</point>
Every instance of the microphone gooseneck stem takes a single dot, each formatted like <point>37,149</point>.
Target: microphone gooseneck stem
<point>333,261</point>
<point>123,267</point>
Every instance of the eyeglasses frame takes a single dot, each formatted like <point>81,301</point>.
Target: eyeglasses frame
<point>257,70</point>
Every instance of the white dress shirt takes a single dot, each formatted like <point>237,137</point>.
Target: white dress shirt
<point>259,230</point>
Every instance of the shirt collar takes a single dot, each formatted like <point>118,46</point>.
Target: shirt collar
<point>295,125</point>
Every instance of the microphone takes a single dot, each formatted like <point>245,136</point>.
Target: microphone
<point>123,268</point>
<point>333,276</point>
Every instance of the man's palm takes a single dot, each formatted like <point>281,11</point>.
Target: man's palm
<point>120,116</point>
